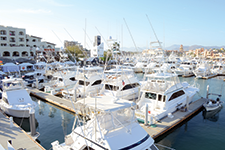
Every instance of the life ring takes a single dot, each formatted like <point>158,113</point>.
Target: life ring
<point>149,112</point>
<point>114,77</point>
<point>23,68</point>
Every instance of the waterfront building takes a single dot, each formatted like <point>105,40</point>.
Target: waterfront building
<point>15,43</point>
<point>98,47</point>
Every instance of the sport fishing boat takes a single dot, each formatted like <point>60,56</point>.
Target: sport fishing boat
<point>203,70</point>
<point>218,68</point>
<point>89,81</point>
<point>163,94</point>
<point>15,99</point>
<point>185,68</point>
<point>121,82</point>
<point>113,126</point>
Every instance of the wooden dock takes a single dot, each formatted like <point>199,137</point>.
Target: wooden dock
<point>19,138</point>
<point>167,124</point>
<point>162,128</point>
<point>186,76</point>
<point>60,102</point>
<point>210,76</point>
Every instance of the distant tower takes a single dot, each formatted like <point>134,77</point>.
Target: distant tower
<point>181,48</point>
<point>97,41</point>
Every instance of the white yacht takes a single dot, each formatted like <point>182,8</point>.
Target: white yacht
<point>164,94</point>
<point>121,83</point>
<point>203,70</point>
<point>89,81</point>
<point>15,99</point>
<point>31,77</point>
<point>140,66</point>
<point>218,68</point>
<point>113,126</point>
<point>185,68</point>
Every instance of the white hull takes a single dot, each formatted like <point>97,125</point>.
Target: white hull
<point>16,112</point>
<point>212,107</point>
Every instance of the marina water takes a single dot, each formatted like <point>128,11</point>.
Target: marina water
<point>197,133</point>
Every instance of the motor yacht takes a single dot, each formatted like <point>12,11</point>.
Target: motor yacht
<point>185,68</point>
<point>163,94</point>
<point>89,81</point>
<point>203,70</point>
<point>112,126</point>
<point>121,82</point>
<point>15,100</point>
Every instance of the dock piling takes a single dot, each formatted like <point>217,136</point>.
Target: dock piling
<point>32,122</point>
<point>146,114</point>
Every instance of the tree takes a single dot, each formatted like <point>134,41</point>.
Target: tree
<point>75,51</point>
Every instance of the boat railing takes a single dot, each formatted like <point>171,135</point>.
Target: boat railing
<point>158,85</point>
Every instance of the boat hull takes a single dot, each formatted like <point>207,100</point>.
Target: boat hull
<point>15,112</point>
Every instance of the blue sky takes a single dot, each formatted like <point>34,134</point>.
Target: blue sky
<point>187,22</point>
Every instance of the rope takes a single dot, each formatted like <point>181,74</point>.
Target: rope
<point>164,146</point>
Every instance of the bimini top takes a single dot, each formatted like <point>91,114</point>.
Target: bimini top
<point>105,103</point>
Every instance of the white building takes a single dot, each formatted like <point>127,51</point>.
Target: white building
<point>98,47</point>
<point>15,43</point>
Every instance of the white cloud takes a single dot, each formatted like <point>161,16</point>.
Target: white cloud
<point>53,2</point>
<point>38,11</point>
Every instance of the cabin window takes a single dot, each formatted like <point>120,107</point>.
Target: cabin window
<point>97,82</point>
<point>5,100</point>
<point>111,87</point>
<point>160,98</point>
<point>150,95</point>
<point>135,85</point>
<point>72,79</point>
<point>127,87</point>
<point>41,81</point>
<point>176,94</point>
<point>60,79</point>
<point>82,83</point>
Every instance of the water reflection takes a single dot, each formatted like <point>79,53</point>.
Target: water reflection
<point>24,123</point>
<point>52,112</point>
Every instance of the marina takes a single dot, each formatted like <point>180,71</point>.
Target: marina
<point>104,96</point>
<point>163,129</point>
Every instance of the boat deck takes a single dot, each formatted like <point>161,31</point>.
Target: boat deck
<point>19,138</point>
<point>167,123</point>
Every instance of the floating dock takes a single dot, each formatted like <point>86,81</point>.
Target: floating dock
<point>162,128</point>
<point>186,76</point>
<point>166,124</point>
<point>210,76</point>
<point>19,138</point>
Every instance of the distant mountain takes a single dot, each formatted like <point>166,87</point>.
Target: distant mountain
<point>193,47</point>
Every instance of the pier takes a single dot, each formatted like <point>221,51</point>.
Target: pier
<point>162,127</point>
<point>19,138</point>
<point>167,124</point>
<point>210,76</point>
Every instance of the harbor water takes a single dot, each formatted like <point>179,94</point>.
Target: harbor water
<point>203,131</point>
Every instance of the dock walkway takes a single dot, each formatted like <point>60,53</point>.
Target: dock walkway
<point>19,138</point>
<point>167,123</point>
